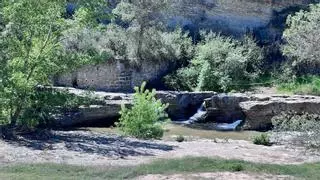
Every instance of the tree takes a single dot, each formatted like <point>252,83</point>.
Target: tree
<point>31,50</point>
<point>141,15</point>
<point>302,39</point>
<point>220,64</point>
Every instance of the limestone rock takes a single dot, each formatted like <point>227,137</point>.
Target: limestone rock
<point>257,109</point>
<point>182,105</point>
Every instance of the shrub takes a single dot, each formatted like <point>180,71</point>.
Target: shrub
<point>262,139</point>
<point>180,138</point>
<point>144,120</point>
<point>302,41</point>
<point>220,64</point>
<point>302,85</point>
<point>304,126</point>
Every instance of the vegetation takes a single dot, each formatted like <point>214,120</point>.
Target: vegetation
<point>302,41</point>
<point>180,138</point>
<point>220,64</point>
<point>144,120</point>
<point>304,126</point>
<point>167,167</point>
<point>32,52</point>
<point>262,139</point>
<point>302,85</point>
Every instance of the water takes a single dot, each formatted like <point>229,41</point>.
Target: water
<point>200,115</point>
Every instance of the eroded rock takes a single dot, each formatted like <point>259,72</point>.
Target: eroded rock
<point>257,109</point>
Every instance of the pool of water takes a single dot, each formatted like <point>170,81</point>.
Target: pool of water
<point>201,131</point>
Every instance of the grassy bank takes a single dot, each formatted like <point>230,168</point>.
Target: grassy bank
<point>309,85</point>
<point>185,165</point>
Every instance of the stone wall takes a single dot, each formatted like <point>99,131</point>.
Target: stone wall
<point>113,76</point>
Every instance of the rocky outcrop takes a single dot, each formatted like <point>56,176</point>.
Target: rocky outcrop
<point>182,105</point>
<point>257,109</point>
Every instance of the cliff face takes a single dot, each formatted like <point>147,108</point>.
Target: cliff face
<point>264,18</point>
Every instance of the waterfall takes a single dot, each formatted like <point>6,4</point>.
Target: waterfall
<point>200,116</point>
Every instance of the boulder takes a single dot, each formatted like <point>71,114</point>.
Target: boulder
<point>182,105</point>
<point>257,109</point>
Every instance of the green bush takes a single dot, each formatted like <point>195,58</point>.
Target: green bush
<point>262,139</point>
<point>305,85</point>
<point>304,126</point>
<point>47,103</point>
<point>145,119</point>
<point>220,64</point>
<point>302,46</point>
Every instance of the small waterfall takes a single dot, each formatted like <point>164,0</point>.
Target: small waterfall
<point>198,116</point>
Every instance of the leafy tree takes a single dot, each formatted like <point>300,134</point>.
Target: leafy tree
<point>302,39</point>
<point>141,15</point>
<point>144,120</point>
<point>220,64</point>
<point>31,50</point>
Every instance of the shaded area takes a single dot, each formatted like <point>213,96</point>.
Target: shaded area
<point>88,142</point>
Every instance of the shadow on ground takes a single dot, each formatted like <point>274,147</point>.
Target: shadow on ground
<point>90,143</point>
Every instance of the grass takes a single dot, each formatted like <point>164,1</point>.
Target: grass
<point>185,165</point>
<point>309,85</point>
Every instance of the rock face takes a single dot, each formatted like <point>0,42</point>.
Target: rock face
<point>257,110</point>
<point>264,18</point>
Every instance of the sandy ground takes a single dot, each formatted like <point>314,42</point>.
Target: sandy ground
<point>216,176</point>
<point>95,149</point>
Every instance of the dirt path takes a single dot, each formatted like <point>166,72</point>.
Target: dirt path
<point>216,176</point>
<point>88,148</point>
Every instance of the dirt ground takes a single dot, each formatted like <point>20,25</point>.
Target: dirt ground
<point>216,176</point>
<point>95,149</point>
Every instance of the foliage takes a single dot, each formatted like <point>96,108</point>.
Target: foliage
<point>302,41</point>
<point>144,120</point>
<point>140,15</point>
<point>144,35</point>
<point>262,139</point>
<point>32,52</point>
<point>309,85</point>
<point>114,41</point>
<point>47,103</point>
<point>220,64</point>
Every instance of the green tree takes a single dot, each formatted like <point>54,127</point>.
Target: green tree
<point>141,15</point>
<point>220,64</point>
<point>302,39</point>
<point>31,50</point>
